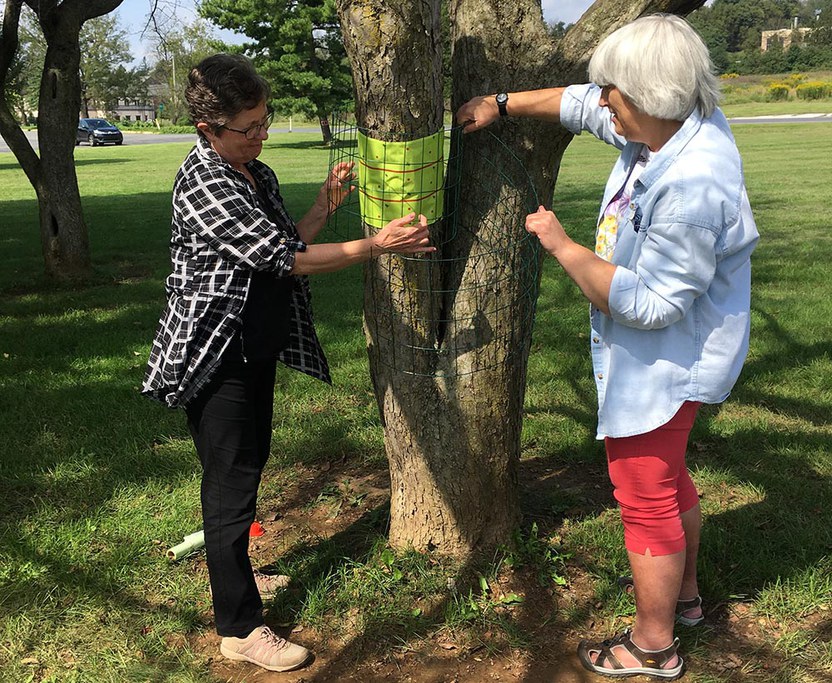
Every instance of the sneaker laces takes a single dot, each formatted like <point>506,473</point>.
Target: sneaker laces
<point>272,639</point>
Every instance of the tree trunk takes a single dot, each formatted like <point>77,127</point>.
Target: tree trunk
<point>459,324</point>
<point>63,232</point>
<point>436,482</point>
<point>326,131</point>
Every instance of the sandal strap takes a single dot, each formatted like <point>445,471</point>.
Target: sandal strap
<point>605,654</point>
<point>685,605</point>
<point>626,585</point>
<point>655,659</point>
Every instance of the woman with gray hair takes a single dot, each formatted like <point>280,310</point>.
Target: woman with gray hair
<point>669,285</point>
<point>238,302</point>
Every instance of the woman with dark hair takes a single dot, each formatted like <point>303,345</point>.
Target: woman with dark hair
<point>238,302</point>
<point>669,286</point>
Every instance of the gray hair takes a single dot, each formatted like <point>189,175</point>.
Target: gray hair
<point>661,65</point>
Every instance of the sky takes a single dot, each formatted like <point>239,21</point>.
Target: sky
<point>132,16</point>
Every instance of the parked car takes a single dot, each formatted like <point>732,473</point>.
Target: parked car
<point>98,132</point>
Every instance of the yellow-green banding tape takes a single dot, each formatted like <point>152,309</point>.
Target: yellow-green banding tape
<point>397,178</point>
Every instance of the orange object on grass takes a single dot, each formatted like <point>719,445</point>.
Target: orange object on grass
<point>256,529</point>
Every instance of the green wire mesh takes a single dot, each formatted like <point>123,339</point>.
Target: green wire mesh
<point>470,305</point>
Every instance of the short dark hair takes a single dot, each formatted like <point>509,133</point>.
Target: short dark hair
<point>221,86</point>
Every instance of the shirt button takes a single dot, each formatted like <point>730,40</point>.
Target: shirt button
<point>595,340</point>
<point>600,375</point>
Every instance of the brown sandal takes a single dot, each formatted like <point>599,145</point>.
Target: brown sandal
<point>651,662</point>
<point>625,583</point>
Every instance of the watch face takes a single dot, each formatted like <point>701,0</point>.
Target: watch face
<point>502,98</point>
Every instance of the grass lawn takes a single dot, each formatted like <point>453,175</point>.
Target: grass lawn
<point>97,482</point>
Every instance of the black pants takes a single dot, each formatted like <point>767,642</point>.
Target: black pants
<point>231,425</point>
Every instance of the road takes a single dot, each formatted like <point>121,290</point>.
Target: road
<point>154,138</point>
<point>785,118</point>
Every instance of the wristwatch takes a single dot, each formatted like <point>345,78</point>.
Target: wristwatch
<point>502,101</point>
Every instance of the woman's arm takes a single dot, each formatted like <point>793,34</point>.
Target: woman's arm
<point>590,272</point>
<point>481,111</point>
<point>336,189</point>
<point>399,236</point>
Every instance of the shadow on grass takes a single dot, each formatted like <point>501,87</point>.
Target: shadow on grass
<point>102,160</point>
<point>9,161</point>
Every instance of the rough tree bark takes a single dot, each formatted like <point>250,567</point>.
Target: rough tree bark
<point>452,429</point>
<point>63,232</point>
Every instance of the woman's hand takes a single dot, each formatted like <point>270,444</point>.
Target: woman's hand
<point>404,236</point>
<point>548,229</point>
<point>476,113</point>
<point>337,186</point>
<point>590,272</point>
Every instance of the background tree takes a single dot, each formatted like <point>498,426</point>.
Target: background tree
<point>106,49</point>
<point>63,232</point>
<point>297,46</point>
<point>557,30</point>
<point>732,30</point>
<point>23,81</point>
<point>124,85</point>
<point>453,441</point>
<point>734,20</point>
<point>178,47</point>
<point>820,40</point>
<point>15,88</point>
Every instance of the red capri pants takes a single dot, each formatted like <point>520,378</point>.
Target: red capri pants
<point>652,484</point>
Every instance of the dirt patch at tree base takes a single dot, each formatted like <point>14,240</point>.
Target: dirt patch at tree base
<point>733,644</point>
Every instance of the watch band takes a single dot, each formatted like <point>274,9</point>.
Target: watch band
<point>502,101</point>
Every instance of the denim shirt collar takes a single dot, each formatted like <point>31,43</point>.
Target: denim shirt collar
<point>660,160</point>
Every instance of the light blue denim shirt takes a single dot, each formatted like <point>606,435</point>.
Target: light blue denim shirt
<point>681,293</point>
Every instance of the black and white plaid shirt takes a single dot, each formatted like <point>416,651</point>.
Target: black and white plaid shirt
<point>219,237</point>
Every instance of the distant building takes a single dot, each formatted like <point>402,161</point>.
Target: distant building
<point>144,109</point>
<point>127,110</point>
<point>784,36</point>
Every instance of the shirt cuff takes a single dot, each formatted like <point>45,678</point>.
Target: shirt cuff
<point>285,263</point>
<point>622,299</point>
<point>572,107</point>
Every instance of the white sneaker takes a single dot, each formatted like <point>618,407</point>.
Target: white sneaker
<point>265,648</point>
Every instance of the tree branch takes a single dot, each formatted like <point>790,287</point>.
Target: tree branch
<point>9,128</point>
<point>9,37</point>
<point>89,9</point>
<point>151,18</point>
<point>41,7</point>
<point>604,16</point>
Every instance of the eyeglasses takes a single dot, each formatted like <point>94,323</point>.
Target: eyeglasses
<point>252,132</point>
